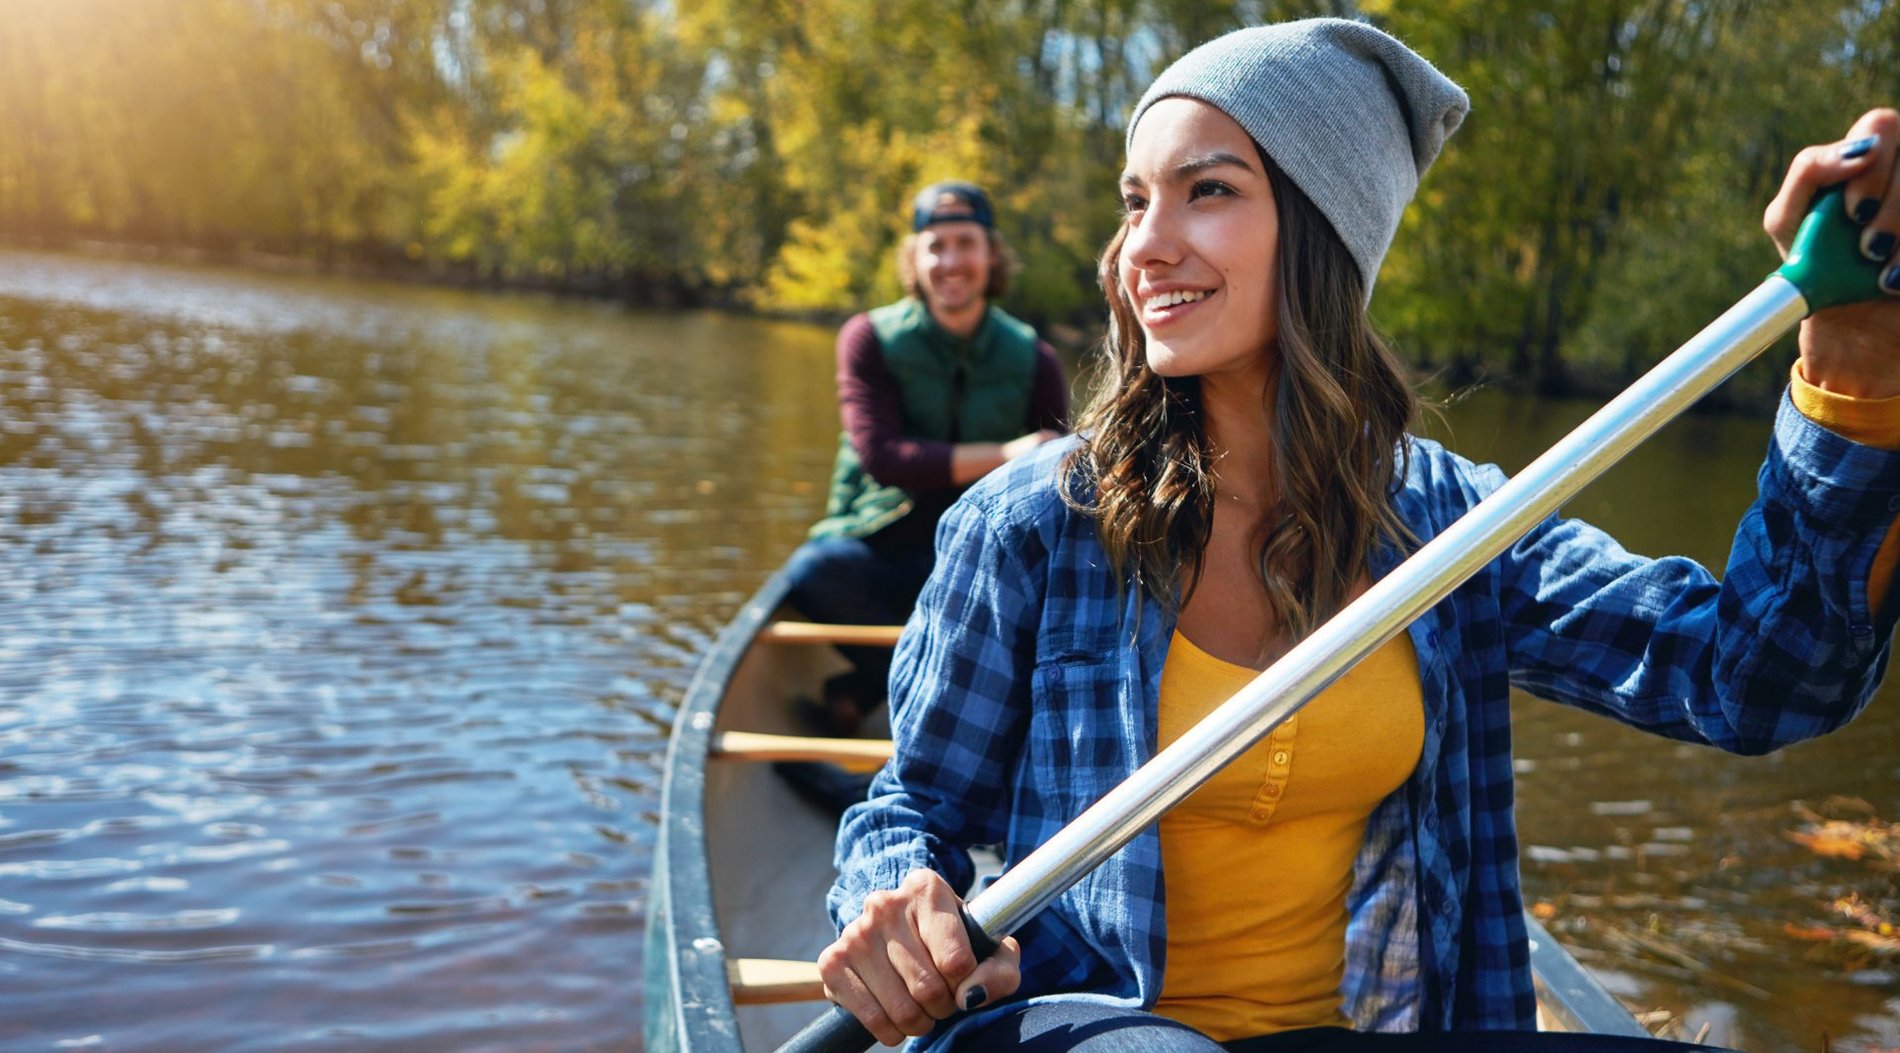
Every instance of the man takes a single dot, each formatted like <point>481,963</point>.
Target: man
<point>934,391</point>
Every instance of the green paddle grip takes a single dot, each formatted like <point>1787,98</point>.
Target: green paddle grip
<point>1825,262</point>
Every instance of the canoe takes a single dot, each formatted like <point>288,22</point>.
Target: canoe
<point>735,914</point>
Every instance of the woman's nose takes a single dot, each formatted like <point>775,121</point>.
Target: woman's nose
<point>1152,239</point>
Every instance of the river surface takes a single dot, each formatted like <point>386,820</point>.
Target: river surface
<point>344,623</point>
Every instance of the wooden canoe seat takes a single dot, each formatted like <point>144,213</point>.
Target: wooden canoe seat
<point>768,981</point>
<point>816,633</point>
<point>857,755</point>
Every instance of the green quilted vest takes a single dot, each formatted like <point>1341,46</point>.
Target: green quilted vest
<point>953,390</point>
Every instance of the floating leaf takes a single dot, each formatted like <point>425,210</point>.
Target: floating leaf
<point>1846,838</point>
<point>1810,933</point>
<point>1873,941</point>
<point>1829,843</point>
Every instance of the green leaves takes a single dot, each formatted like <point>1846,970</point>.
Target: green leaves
<point>1601,202</point>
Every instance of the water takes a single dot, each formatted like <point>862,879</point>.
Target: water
<point>344,626</point>
<point>344,623</point>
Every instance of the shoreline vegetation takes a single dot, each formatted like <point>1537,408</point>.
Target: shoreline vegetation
<point>666,293</point>
<point>1600,205</point>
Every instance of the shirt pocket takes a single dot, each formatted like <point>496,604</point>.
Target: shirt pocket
<point>1078,749</point>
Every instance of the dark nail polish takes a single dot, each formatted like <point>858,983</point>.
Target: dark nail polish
<point>1859,147</point>
<point>975,996</point>
<point>1890,281</point>
<point>1877,247</point>
<point>1864,212</point>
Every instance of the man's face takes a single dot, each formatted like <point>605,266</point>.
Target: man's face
<point>953,264</point>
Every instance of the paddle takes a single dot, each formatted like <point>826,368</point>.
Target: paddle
<point>1825,269</point>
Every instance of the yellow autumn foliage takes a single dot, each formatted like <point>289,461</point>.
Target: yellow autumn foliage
<point>1600,204</point>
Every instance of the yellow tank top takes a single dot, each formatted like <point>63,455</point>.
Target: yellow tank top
<point>1258,862</point>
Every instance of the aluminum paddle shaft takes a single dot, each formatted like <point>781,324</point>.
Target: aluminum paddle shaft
<point>1385,609</point>
<point>1438,567</point>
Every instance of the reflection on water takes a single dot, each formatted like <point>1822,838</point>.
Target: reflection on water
<point>343,629</point>
<point>344,623</point>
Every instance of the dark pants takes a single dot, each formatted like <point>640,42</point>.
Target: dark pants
<point>853,581</point>
<point>1081,1027</point>
<point>848,581</point>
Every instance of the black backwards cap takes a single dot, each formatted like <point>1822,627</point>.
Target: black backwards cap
<point>951,202</point>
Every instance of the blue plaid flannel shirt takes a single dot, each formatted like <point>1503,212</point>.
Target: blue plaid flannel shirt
<point>1025,687</point>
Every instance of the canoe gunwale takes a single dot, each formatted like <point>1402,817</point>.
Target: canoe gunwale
<point>700,1015</point>
<point>1574,999</point>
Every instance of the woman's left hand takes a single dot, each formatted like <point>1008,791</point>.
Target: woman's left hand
<point>1852,350</point>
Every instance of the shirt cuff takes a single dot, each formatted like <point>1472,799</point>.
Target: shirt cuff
<point>1840,484</point>
<point>1870,422</point>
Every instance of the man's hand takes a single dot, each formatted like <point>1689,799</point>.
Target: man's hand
<point>1022,444</point>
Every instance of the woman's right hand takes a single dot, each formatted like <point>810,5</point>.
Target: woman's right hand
<point>905,963</point>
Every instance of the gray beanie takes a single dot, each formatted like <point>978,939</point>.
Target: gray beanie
<point>1351,115</point>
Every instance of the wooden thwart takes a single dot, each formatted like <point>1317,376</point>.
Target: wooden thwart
<point>815,633</point>
<point>857,755</point>
<point>769,981</point>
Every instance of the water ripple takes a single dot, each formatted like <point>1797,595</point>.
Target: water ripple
<point>68,869</point>
<point>137,957</point>
<point>34,838</point>
<point>121,922</point>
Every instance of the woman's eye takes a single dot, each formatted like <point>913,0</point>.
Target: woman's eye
<point>1132,204</point>
<point>1211,188</point>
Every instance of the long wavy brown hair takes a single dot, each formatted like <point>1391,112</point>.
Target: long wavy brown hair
<point>1339,410</point>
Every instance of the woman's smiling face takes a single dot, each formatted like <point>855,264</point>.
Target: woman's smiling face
<point>1199,264</point>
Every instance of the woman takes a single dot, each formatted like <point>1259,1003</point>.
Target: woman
<point>1243,476</point>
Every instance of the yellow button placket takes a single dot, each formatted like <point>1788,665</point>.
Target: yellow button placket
<point>1279,747</point>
